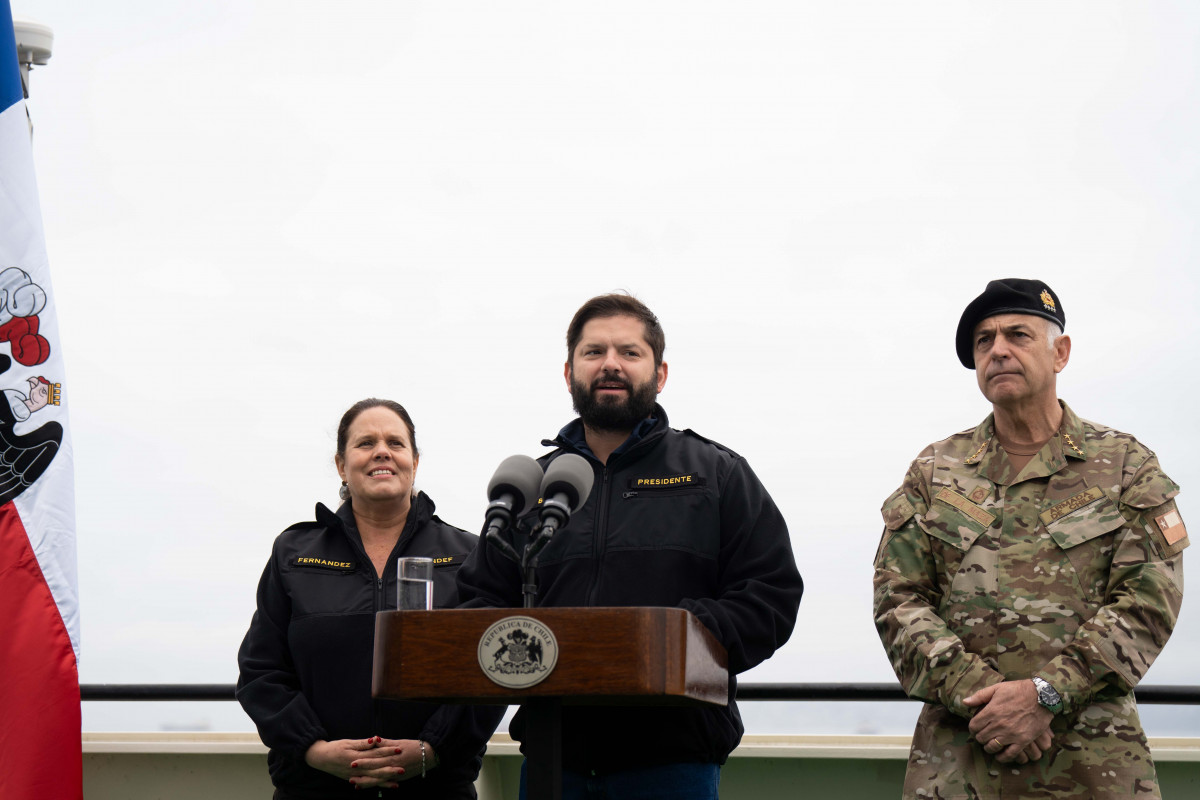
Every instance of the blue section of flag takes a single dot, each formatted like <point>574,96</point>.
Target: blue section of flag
<point>10,77</point>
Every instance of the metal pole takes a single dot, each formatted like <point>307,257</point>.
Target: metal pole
<point>34,44</point>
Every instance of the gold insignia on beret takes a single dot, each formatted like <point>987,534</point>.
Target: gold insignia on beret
<point>1047,300</point>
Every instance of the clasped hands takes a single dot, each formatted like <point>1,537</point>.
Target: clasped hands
<point>1010,723</point>
<point>370,762</point>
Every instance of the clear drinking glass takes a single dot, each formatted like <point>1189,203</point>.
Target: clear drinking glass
<point>416,584</point>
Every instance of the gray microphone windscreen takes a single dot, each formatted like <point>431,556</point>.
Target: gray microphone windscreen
<point>519,476</point>
<point>572,475</point>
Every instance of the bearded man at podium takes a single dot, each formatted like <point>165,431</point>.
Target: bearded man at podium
<point>673,519</point>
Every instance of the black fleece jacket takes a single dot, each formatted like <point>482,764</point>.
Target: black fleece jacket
<point>306,660</point>
<point>673,520</point>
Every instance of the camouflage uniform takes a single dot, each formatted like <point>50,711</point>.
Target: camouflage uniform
<point>1064,571</point>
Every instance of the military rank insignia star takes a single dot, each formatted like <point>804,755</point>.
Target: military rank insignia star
<point>1047,300</point>
<point>978,454</point>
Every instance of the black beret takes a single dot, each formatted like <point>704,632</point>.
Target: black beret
<point>1007,296</point>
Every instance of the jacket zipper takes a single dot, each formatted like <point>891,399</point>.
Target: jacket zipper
<point>600,532</point>
<point>599,536</point>
<point>662,492</point>
<point>378,607</point>
<point>380,588</point>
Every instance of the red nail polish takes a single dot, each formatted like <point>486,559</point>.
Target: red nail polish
<point>397,751</point>
<point>353,765</point>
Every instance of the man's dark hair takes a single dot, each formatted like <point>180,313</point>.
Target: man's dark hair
<point>616,305</point>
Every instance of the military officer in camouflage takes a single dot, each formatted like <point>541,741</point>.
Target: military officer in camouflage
<point>1030,572</point>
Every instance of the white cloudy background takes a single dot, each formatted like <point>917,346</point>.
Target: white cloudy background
<point>258,212</point>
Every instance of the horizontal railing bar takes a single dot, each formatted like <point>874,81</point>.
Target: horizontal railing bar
<point>156,691</point>
<point>821,691</point>
<point>841,692</point>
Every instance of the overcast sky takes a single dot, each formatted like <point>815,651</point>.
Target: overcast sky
<point>259,212</point>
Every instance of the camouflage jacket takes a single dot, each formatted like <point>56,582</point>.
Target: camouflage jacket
<point>1070,570</point>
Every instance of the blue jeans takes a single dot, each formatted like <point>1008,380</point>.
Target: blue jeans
<point>667,782</point>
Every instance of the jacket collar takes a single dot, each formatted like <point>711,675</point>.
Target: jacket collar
<point>343,519</point>
<point>648,430</point>
<point>1068,443</point>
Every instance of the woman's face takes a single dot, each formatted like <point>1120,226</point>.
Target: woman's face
<point>378,465</point>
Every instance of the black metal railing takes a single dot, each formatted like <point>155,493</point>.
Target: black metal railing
<point>1163,695</point>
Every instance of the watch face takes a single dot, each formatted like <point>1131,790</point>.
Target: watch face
<point>1047,695</point>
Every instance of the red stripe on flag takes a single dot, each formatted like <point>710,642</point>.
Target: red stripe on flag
<point>40,739</point>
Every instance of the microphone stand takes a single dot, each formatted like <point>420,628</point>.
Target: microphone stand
<point>499,517</point>
<point>527,561</point>
<point>556,514</point>
<point>545,713</point>
<point>529,567</point>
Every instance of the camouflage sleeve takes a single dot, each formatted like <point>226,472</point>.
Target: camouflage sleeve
<point>1112,651</point>
<point>929,658</point>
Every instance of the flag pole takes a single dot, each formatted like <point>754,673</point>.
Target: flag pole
<point>35,42</point>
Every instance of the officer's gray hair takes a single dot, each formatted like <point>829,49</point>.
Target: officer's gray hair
<point>1052,333</point>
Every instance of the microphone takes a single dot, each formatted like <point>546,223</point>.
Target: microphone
<point>512,491</point>
<point>565,488</point>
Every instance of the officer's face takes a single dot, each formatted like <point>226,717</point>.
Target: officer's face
<point>611,375</point>
<point>1014,362</point>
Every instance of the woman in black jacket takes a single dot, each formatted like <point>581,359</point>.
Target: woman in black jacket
<point>306,660</point>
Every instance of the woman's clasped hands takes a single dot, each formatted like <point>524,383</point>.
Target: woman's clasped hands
<point>371,762</point>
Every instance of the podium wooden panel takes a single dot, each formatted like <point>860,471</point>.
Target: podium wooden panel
<point>624,656</point>
<point>614,656</point>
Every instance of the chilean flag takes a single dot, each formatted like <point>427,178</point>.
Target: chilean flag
<point>40,742</point>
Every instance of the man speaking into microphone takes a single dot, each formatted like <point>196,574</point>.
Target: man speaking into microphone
<point>672,519</point>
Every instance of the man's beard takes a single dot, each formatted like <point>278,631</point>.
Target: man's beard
<point>606,413</point>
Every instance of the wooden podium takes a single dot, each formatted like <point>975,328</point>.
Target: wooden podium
<point>614,656</point>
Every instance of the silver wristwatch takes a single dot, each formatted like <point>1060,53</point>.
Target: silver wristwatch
<point>1048,697</point>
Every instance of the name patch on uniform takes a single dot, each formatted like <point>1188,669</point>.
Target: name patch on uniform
<point>448,561</point>
<point>666,482</point>
<point>956,500</point>
<point>323,563</point>
<point>1171,525</point>
<point>1071,504</point>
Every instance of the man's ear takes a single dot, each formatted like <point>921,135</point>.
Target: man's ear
<point>1062,352</point>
